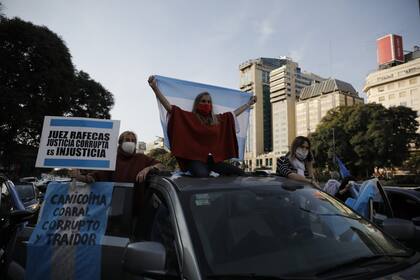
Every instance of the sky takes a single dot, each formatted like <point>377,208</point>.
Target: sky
<point>121,43</point>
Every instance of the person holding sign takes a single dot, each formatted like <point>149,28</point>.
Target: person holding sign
<point>201,140</point>
<point>130,167</point>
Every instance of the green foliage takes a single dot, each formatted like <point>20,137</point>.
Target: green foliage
<point>37,78</point>
<point>413,162</point>
<point>91,100</point>
<point>366,136</point>
<point>165,157</point>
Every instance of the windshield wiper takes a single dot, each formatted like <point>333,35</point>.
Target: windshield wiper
<point>256,276</point>
<point>362,262</point>
<point>330,214</point>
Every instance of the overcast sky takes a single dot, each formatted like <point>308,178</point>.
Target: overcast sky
<point>120,43</point>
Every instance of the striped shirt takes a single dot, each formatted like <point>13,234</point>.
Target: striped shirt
<point>285,167</point>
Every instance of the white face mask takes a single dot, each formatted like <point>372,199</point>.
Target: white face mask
<point>128,147</point>
<point>301,153</point>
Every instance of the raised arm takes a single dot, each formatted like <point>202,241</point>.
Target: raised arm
<point>153,84</point>
<point>241,109</point>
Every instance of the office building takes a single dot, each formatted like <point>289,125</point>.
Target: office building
<point>396,82</point>
<point>316,100</point>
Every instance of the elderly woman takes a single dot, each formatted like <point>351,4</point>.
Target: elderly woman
<point>297,164</point>
<point>200,139</point>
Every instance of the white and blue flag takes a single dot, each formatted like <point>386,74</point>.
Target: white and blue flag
<point>182,94</point>
<point>66,242</point>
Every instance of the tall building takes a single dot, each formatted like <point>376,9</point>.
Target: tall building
<point>317,99</point>
<point>254,77</point>
<point>396,83</point>
<point>276,83</point>
<point>286,84</point>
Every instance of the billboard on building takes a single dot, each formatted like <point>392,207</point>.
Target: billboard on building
<point>390,49</point>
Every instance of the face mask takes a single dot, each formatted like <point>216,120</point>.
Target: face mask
<point>128,147</point>
<point>301,154</point>
<point>204,109</point>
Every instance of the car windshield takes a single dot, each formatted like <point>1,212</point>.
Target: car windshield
<point>278,231</point>
<point>25,192</point>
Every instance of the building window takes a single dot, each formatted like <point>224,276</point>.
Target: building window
<point>412,81</point>
<point>401,83</point>
<point>381,89</point>
<point>390,86</point>
<point>271,162</point>
<point>403,104</point>
<point>391,96</point>
<point>402,94</point>
<point>266,161</point>
<point>381,98</point>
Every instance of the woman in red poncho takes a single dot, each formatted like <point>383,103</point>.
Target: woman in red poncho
<point>201,140</point>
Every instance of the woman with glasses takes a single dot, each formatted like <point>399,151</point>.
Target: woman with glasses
<point>297,164</point>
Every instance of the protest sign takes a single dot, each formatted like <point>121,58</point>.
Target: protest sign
<point>78,143</point>
<point>182,94</point>
<point>66,242</point>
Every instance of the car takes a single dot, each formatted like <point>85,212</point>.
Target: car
<point>247,227</point>
<point>29,195</point>
<point>29,180</point>
<point>43,183</point>
<point>12,218</point>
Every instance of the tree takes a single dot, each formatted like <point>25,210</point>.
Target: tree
<point>37,78</point>
<point>91,100</point>
<point>366,136</point>
<point>165,157</point>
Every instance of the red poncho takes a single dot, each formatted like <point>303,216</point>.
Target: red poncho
<point>192,140</point>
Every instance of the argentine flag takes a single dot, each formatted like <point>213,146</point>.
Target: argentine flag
<point>182,94</point>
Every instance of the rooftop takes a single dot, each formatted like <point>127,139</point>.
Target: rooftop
<point>326,87</point>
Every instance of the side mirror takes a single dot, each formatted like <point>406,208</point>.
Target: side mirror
<point>400,229</point>
<point>145,259</point>
<point>20,216</point>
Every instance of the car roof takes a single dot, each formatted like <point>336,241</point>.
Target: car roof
<point>186,183</point>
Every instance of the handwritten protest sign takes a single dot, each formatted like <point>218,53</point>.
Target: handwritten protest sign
<point>66,242</point>
<point>78,143</point>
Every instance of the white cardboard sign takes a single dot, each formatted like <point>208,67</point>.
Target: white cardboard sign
<point>78,143</point>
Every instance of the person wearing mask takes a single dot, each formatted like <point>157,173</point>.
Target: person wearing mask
<point>298,163</point>
<point>130,166</point>
<point>201,140</point>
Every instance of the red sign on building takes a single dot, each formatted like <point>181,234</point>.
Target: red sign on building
<point>390,49</point>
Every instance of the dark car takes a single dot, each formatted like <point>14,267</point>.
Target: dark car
<point>28,194</point>
<point>242,228</point>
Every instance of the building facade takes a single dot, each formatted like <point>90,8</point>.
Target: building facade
<point>286,84</point>
<point>316,100</point>
<point>397,85</point>
<point>276,83</point>
<point>254,77</point>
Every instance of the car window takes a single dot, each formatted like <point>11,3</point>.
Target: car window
<point>120,214</point>
<point>253,231</point>
<point>155,223</point>
<point>404,206</point>
<point>25,192</point>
